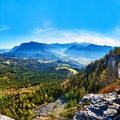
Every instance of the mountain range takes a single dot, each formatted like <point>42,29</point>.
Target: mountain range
<point>80,53</point>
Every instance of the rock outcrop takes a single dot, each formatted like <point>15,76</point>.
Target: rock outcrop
<point>99,107</point>
<point>44,110</point>
<point>3,117</point>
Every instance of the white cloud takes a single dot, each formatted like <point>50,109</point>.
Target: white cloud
<point>97,39</point>
<point>46,27</point>
<point>41,30</point>
<point>52,35</point>
<point>3,28</point>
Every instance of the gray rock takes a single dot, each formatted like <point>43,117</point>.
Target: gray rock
<point>99,107</point>
<point>110,112</point>
<point>3,117</point>
<point>44,110</point>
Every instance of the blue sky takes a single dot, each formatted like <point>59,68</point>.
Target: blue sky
<point>94,21</point>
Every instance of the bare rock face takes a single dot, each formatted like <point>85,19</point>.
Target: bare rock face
<point>3,117</point>
<point>99,107</point>
<point>44,110</point>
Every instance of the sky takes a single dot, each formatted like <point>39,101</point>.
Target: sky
<point>59,21</point>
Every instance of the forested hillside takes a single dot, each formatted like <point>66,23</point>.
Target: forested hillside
<point>96,76</point>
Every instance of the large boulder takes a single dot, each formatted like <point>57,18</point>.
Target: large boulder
<point>99,107</point>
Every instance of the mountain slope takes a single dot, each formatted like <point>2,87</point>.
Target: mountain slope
<point>60,48</point>
<point>94,77</point>
<point>33,50</point>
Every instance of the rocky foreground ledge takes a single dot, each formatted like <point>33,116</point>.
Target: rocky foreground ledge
<point>3,117</point>
<point>99,107</point>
